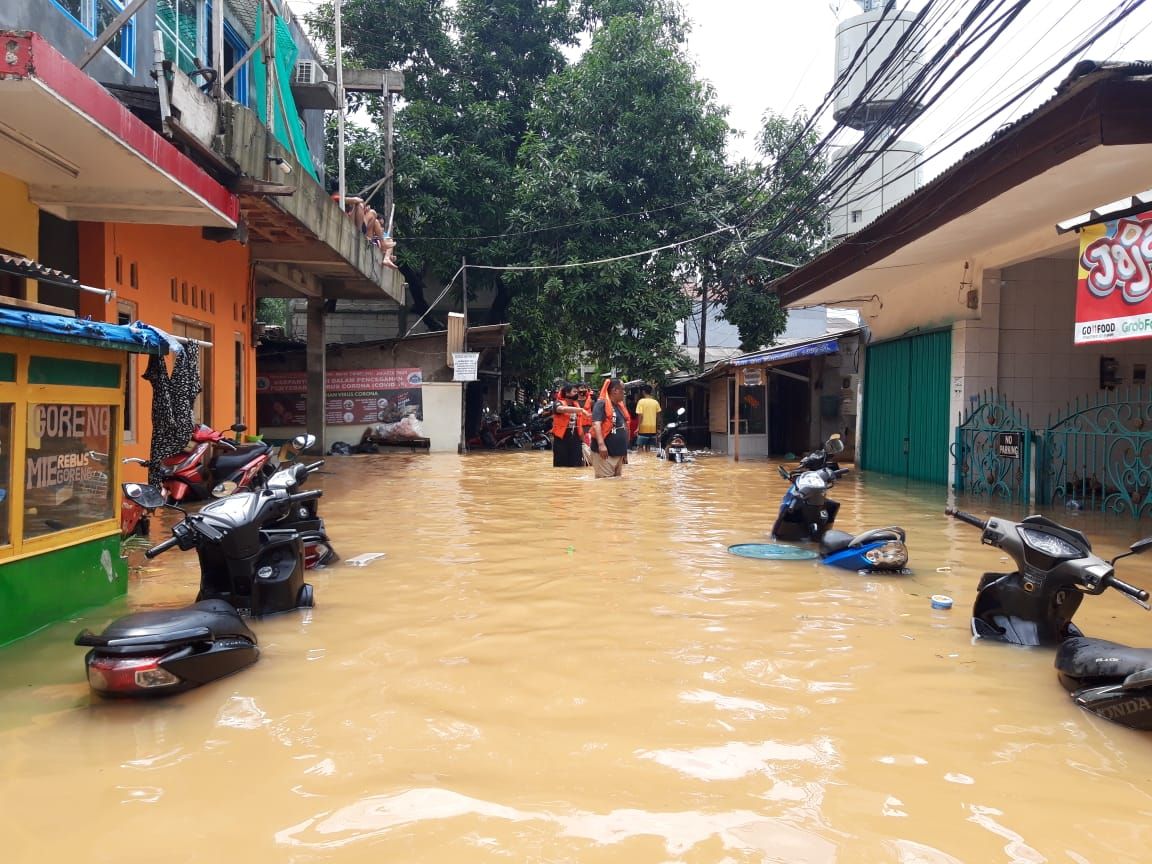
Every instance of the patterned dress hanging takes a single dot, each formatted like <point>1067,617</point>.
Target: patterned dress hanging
<point>172,399</point>
<point>163,419</point>
<point>185,389</point>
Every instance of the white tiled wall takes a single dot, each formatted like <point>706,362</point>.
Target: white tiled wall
<point>1036,365</point>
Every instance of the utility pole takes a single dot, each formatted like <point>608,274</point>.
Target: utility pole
<point>703,323</point>
<point>341,102</point>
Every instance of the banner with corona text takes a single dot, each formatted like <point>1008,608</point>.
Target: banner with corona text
<point>352,397</point>
<point>1114,286</point>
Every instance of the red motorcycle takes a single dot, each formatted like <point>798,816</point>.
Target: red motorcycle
<point>493,436</point>
<point>211,466</point>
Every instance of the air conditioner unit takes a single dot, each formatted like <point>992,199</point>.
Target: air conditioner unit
<point>309,72</point>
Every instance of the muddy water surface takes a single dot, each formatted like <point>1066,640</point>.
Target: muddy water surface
<point>547,668</point>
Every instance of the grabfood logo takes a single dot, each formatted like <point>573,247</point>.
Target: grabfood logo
<point>1121,262</point>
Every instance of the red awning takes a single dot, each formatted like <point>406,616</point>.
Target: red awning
<point>84,156</point>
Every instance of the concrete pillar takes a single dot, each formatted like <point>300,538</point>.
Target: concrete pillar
<point>317,368</point>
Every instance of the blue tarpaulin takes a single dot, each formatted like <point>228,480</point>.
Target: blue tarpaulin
<point>138,337</point>
<point>788,352</point>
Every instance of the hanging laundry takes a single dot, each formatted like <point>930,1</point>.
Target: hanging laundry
<point>185,388</point>
<point>163,418</point>
<point>173,396</point>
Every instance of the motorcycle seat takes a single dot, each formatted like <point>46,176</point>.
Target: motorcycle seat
<point>836,541</point>
<point>207,620</point>
<point>230,460</point>
<point>1089,661</point>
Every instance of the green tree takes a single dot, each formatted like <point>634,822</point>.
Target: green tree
<point>786,225</point>
<point>471,73</point>
<point>621,146</point>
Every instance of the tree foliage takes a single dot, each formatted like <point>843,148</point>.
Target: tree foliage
<point>777,191</point>
<point>619,147</point>
<point>508,151</point>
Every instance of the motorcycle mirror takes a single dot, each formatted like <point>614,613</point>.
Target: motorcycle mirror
<point>238,428</point>
<point>681,411</point>
<point>303,442</point>
<point>670,426</point>
<point>148,497</point>
<point>1141,546</point>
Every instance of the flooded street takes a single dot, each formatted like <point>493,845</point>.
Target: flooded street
<point>547,668</point>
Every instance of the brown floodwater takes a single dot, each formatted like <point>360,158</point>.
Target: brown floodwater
<point>548,668</point>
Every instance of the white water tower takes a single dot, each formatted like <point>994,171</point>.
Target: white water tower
<point>868,49</point>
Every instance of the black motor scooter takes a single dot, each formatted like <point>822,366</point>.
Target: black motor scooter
<point>1035,603</point>
<point>304,516</point>
<point>807,513</point>
<point>673,447</point>
<point>246,563</point>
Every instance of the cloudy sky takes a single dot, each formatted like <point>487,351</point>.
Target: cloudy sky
<point>779,54</point>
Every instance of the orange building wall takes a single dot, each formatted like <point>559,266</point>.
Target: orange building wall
<point>148,265</point>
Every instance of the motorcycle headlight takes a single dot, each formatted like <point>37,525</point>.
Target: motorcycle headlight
<point>891,555</point>
<point>811,482</point>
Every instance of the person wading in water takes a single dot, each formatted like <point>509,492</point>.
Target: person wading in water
<point>610,431</point>
<point>567,417</point>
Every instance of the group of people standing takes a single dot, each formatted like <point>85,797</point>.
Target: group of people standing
<point>605,426</point>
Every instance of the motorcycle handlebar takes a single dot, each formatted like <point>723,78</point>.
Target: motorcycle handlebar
<point>229,443</point>
<point>315,466</point>
<point>306,496</point>
<point>974,521</point>
<point>162,547</point>
<point>1124,588</point>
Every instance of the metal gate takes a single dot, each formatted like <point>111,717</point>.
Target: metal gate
<point>993,451</point>
<point>906,393</point>
<point>1097,454</point>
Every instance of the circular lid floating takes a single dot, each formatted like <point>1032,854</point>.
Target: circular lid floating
<point>773,551</point>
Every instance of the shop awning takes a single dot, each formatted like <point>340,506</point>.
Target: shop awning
<point>788,352</point>
<point>139,339</point>
<point>86,157</point>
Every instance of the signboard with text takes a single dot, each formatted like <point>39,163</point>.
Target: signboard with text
<point>465,366</point>
<point>1114,285</point>
<point>1008,445</point>
<point>355,397</point>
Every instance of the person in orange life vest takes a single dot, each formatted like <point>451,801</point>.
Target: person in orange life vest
<point>610,430</point>
<point>567,451</point>
<point>584,400</point>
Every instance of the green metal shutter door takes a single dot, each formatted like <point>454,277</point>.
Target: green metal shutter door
<point>928,393</point>
<point>886,407</point>
<point>906,396</point>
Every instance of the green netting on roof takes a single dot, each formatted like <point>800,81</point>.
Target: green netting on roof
<point>288,129</point>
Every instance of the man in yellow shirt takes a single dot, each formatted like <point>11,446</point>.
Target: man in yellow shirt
<point>648,410</point>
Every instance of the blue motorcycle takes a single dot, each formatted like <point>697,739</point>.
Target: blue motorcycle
<point>807,513</point>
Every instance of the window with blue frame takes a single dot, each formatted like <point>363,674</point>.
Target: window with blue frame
<point>94,15</point>
<point>186,28</point>
<point>235,48</point>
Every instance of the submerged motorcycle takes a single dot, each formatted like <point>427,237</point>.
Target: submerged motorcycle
<point>672,447</point>
<point>807,513</point>
<point>251,560</point>
<point>1034,605</point>
<point>211,466</point>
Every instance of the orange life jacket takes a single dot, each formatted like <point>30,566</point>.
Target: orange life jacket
<point>582,421</point>
<point>560,421</point>
<point>610,412</point>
